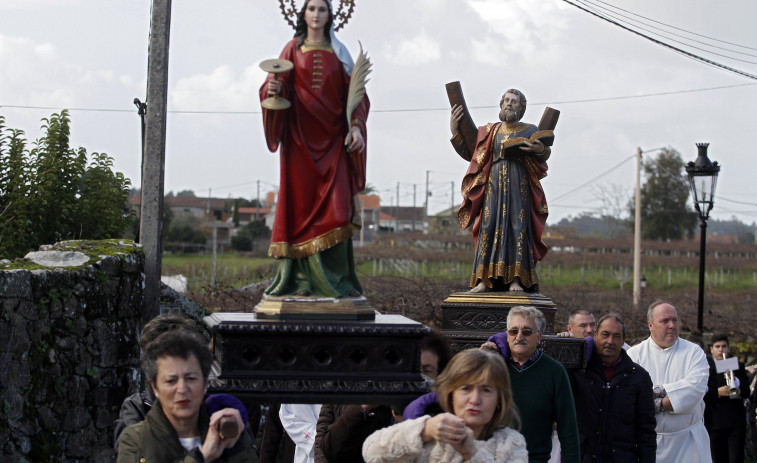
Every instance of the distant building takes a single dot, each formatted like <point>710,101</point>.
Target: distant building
<point>401,219</point>
<point>200,208</point>
<point>445,223</point>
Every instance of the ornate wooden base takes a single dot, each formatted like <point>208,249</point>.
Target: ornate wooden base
<point>469,319</point>
<point>311,307</point>
<point>318,361</point>
<point>488,311</point>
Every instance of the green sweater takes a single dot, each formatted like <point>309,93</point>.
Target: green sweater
<point>543,396</point>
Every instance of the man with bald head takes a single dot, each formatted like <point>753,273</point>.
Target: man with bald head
<point>679,373</point>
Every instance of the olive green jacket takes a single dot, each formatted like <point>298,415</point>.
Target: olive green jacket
<point>155,440</point>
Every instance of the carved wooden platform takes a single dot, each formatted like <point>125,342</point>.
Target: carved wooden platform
<point>488,311</point>
<point>318,361</point>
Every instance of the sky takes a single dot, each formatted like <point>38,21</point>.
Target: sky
<point>616,91</point>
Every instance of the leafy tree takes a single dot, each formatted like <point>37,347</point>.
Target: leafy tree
<point>613,199</point>
<point>242,241</point>
<point>186,193</point>
<point>370,189</point>
<point>49,193</point>
<point>665,214</point>
<point>185,229</point>
<point>258,229</point>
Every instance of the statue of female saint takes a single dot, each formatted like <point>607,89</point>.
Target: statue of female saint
<point>322,161</point>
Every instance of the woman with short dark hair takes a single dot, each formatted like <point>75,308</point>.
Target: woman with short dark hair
<point>178,428</point>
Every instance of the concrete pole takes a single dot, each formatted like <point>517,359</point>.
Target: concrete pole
<point>415,188</point>
<point>213,272</point>
<point>257,211</point>
<point>637,236</point>
<point>397,214</point>
<point>153,174</point>
<point>425,207</point>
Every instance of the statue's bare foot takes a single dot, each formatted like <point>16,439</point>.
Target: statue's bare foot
<point>515,286</point>
<point>480,288</point>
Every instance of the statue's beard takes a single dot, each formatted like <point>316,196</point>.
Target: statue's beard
<point>506,115</point>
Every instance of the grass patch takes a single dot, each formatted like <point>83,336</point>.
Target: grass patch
<point>233,269</point>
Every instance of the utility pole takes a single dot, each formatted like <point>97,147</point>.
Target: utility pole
<point>257,211</point>
<point>397,210</point>
<point>210,195</point>
<point>153,174</point>
<point>425,207</point>
<point>637,235</point>
<point>414,190</point>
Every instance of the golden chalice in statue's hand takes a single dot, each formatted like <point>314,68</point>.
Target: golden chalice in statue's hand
<point>276,66</point>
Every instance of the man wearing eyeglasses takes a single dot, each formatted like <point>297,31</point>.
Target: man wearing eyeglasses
<point>540,386</point>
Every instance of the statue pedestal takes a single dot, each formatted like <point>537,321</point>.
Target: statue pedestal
<point>314,308</point>
<point>469,319</point>
<point>317,360</point>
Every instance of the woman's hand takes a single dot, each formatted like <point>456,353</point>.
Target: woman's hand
<point>215,444</point>
<point>452,430</point>
<point>358,143</point>
<point>274,87</point>
<point>466,447</point>
<point>444,427</point>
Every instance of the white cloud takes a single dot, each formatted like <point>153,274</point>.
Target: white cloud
<point>421,49</point>
<point>36,74</point>
<point>518,27</point>
<point>35,4</point>
<point>222,89</point>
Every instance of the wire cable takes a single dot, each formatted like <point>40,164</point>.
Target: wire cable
<point>401,110</point>
<point>659,42</point>
<point>663,33</point>
<point>677,28</point>
<point>583,185</point>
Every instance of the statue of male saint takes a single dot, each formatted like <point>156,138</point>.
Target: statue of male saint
<point>503,197</point>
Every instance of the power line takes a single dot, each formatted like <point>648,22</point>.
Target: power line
<point>659,42</point>
<point>401,110</point>
<point>565,195</point>
<point>664,32</point>
<point>735,201</point>
<point>677,28</point>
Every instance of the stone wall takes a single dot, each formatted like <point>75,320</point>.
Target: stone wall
<point>69,321</point>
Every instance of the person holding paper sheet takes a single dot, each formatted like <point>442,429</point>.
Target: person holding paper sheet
<point>725,416</point>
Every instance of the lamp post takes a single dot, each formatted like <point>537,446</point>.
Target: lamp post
<point>703,177</point>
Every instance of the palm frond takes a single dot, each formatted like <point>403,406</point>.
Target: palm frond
<point>356,90</point>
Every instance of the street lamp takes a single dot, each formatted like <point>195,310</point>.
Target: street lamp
<point>703,176</point>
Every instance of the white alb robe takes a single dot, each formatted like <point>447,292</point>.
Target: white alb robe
<point>683,371</point>
<point>299,421</point>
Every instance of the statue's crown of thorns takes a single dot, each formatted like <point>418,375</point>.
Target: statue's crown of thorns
<point>342,14</point>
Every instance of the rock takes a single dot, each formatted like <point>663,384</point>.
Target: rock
<point>13,404</point>
<point>58,258</point>
<point>110,265</point>
<point>16,283</point>
<point>24,444</point>
<point>79,444</point>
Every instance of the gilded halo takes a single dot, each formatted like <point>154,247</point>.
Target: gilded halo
<point>342,14</point>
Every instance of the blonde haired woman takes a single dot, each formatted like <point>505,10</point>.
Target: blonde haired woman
<point>474,391</point>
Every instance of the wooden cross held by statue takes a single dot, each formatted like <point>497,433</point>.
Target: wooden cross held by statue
<point>468,128</point>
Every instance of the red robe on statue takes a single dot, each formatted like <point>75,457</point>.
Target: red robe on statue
<point>319,178</point>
